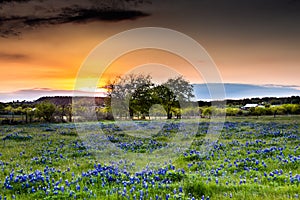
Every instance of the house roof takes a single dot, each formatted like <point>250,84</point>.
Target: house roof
<point>250,105</point>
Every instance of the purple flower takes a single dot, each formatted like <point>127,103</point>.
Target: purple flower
<point>78,187</point>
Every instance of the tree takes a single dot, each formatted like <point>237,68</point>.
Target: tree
<point>175,91</point>
<point>142,100</point>
<point>104,113</point>
<point>20,110</point>
<point>61,112</point>
<point>164,96</point>
<point>207,112</point>
<point>45,110</point>
<point>258,111</point>
<point>10,110</point>
<point>134,94</point>
<point>124,96</point>
<point>288,108</point>
<point>64,112</point>
<point>277,110</point>
<point>29,113</point>
<point>69,112</point>
<point>296,109</point>
<point>181,88</point>
<point>191,111</point>
<point>157,110</point>
<point>232,111</point>
<point>83,108</point>
<point>1,107</point>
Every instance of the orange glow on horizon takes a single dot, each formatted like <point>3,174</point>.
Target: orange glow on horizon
<point>51,58</point>
<point>161,65</point>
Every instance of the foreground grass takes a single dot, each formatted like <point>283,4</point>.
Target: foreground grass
<point>254,158</point>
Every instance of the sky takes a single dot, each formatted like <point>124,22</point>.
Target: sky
<point>43,43</point>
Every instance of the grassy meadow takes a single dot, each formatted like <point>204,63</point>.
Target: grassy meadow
<point>253,158</point>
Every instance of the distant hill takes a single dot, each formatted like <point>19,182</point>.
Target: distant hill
<point>33,94</point>
<point>65,100</point>
<point>232,91</point>
<point>56,100</point>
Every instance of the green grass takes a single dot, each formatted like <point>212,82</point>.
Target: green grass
<point>60,147</point>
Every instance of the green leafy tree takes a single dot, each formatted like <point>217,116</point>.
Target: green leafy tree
<point>277,110</point>
<point>164,96</point>
<point>2,107</point>
<point>207,112</point>
<point>232,111</point>
<point>83,109</point>
<point>258,111</point>
<point>142,100</point>
<point>191,111</point>
<point>135,94</point>
<point>129,94</point>
<point>288,108</point>
<point>10,110</point>
<point>45,110</point>
<point>296,109</point>
<point>157,110</point>
<point>21,111</point>
<point>213,111</point>
<point>29,113</point>
<point>178,91</point>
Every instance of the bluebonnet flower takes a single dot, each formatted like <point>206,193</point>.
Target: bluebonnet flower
<point>180,189</point>
<point>78,187</point>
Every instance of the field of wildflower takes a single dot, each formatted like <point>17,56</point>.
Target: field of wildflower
<point>253,158</point>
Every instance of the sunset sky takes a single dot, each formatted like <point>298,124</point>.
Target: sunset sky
<point>44,43</point>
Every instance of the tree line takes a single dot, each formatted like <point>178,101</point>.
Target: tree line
<point>136,96</point>
<point>274,110</point>
<point>133,96</point>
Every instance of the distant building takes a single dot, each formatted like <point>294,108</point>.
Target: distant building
<point>249,105</point>
<point>252,105</point>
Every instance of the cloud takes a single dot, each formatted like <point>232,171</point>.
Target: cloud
<point>19,15</point>
<point>35,93</point>
<point>283,86</point>
<point>9,56</point>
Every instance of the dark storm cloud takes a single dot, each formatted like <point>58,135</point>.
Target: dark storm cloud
<point>9,1</point>
<point>19,15</point>
<point>8,56</point>
<point>242,21</point>
<point>254,9</point>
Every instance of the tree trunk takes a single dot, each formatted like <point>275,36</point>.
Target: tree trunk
<point>130,113</point>
<point>70,117</point>
<point>275,114</point>
<point>169,115</point>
